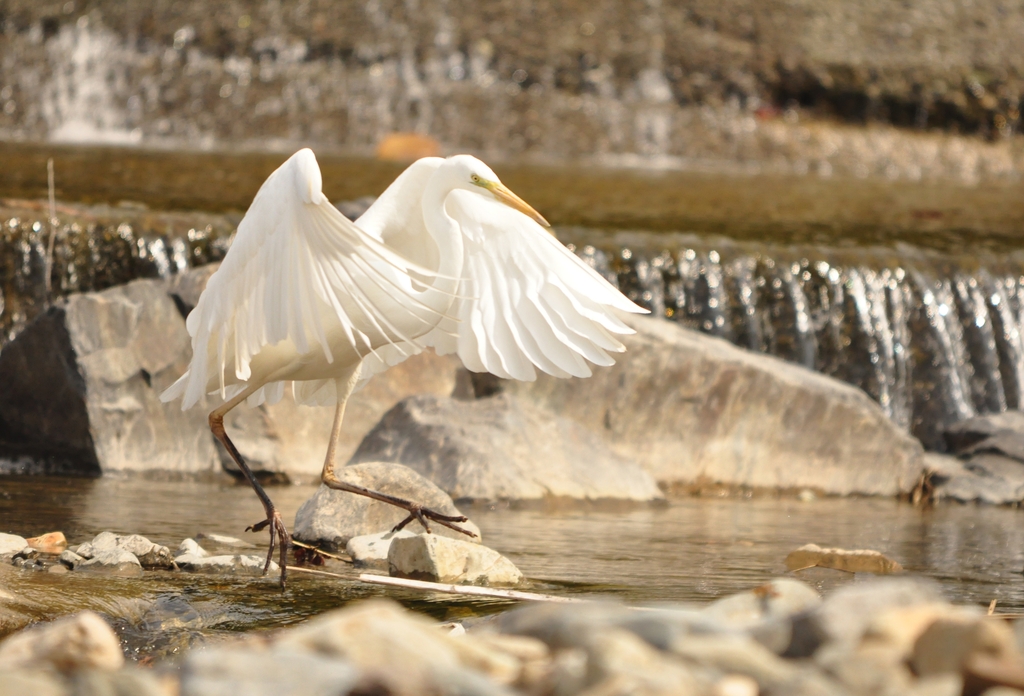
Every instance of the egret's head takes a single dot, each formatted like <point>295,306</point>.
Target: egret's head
<point>473,175</point>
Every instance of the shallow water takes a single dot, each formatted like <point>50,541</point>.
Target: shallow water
<point>690,550</point>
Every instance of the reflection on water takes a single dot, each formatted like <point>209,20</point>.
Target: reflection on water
<point>692,550</point>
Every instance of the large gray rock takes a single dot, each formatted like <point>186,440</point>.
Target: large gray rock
<point>82,385</point>
<point>692,408</point>
<point>984,478</point>
<point>97,407</point>
<point>967,435</point>
<point>332,517</point>
<point>503,448</point>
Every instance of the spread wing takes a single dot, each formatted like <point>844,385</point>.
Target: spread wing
<point>525,301</point>
<point>298,272</point>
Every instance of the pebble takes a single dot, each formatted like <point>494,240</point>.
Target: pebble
<point>441,559</point>
<point>51,542</point>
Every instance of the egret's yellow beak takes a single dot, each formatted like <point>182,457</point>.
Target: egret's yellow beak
<point>510,199</point>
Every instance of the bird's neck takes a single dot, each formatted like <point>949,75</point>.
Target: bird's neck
<point>445,231</point>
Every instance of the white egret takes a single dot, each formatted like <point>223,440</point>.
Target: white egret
<point>446,258</point>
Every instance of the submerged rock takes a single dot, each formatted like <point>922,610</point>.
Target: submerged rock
<point>331,517</point>
<point>689,407</point>
<point>503,448</point>
<point>437,558</point>
<point>83,640</point>
<point>237,564</point>
<point>848,560</point>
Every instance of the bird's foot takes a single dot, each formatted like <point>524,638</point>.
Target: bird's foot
<point>278,536</point>
<point>422,514</point>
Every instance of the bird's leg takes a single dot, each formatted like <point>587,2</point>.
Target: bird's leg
<point>415,510</point>
<point>278,531</point>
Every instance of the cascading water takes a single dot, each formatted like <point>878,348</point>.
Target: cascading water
<point>933,341</point>
<point>933,336</point>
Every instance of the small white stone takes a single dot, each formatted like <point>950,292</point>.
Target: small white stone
<point>372,549</point>
<point>437,558</point>
<point>11,544</point>
<point>191,547</point>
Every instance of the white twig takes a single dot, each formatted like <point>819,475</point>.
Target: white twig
<point>51,188</point>
<point>465,589</point>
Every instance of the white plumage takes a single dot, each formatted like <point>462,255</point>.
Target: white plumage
<point>447,257</point>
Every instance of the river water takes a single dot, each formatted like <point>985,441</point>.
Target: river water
<point>913,292</point>
<point>689,551</point>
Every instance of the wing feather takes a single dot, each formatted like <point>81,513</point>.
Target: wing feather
<point>299,273</point>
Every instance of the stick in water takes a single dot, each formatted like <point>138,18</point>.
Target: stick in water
<point>53,226</point>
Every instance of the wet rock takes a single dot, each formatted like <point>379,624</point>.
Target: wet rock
<point>951,642</point>
<point>333,517</point>
<point>845,615</point>
<point>371,550</point>
<point>232,565</point>
<point>767,612</point>
<point>97,406</point>
<point>985,478</point>
<point>113,561</point>
<point>191,547</point>
<point>849,560</point>
<point>11,544</point>
<point>148,554</point>
<point>437,558</point>
<point>289,440</point>
<point>223,540</point>
<point>402,652</point>
<point>226,671</point>
<point>502,448</point>
<point>967,435</point>
<point>81,641</point>
<point>38,682</point>
<point>51,542</point>
<point>689,407</point>
<point>618,662</point>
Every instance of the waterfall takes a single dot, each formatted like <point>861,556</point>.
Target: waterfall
<point>932,338</point>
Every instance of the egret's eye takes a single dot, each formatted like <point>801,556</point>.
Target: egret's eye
<point>475,179</point>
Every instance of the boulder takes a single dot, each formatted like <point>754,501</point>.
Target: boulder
<point>83,640</point>
<point>503,448</point>
<point>330,518</point>
<point>984,478</point>
<point>288,439</point>
<point>969,433</point>
<point>83,384</point>
<point>693,408</point>
<point>440,559</point>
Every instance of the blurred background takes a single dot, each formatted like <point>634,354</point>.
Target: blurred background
<point>833,182</point>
